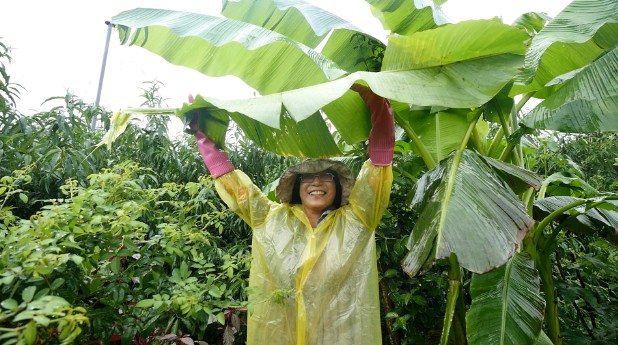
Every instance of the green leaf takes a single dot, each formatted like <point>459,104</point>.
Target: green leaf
<point>601,220</point>
<point>58,282</point>
<point>23,197</point>
<point>507,306</point>
<point>42,320</point>
<point>573,39</point>
<point>145,303</point>
<point>262,58</point>
<point>585,104</point>
<point>441,132</point>
<point>453,43</point>
<point>214,291</point>
<point>30,333</point>
<point>404,17</point>
<point>9,304</point>
<point>115,265</point>
<point>221,318</point>
<point>28,293</point>
<point>517,178</point>
<point>466,209</point>
<point>288,139</point>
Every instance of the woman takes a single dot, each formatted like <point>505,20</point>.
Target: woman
<point>314,276</point>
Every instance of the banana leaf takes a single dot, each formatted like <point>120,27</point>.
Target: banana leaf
<point>265,60</point>
<point>583,31</point>
<point>347,46</point>
<point>602,219</point>
<point>405,17</point>
<point>586,103</point>
<point>440,132</point>
<point>466,209</point>
<point>218,46</point>
<point>507,306</point>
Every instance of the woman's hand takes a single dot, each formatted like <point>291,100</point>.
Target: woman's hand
<point>382,135</point>
<point>217,161</point>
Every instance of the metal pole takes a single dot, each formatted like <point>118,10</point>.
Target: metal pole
<point>96,102</point>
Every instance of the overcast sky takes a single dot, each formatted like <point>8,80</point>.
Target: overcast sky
<point>58,46</point>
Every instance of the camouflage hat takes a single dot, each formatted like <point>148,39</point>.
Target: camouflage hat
<point>286,181</point>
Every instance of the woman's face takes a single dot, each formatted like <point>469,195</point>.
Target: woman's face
<point>317,191</point>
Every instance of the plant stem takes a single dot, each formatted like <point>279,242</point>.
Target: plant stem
<point>495,143</point>
<point>454,316</point>
<point>543,265</point>
<point>478,141</point>
<point>387,304</point>
<point>422,149</point>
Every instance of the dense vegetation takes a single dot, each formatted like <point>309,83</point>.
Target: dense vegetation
<point>132,245</point>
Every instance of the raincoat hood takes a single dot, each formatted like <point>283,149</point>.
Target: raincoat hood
<point>285,187</point>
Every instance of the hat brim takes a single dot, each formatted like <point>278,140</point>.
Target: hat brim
<point>284,189</point>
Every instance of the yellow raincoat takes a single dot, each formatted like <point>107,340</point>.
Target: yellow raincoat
<point>312,286</point>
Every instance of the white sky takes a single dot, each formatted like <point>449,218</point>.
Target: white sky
<point>58,46</point>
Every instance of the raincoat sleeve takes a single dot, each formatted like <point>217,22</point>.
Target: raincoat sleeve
<point>243,197</point>
<point>370,195</point>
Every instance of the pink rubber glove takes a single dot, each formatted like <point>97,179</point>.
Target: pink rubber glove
<point>217,161</point>
<point>382,135</point>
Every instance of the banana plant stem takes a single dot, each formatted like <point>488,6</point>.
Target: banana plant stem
<point>422,149</point>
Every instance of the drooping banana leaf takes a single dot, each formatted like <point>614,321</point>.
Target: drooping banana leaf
<point>302,103</point>
<point>566,184</point>
<point>543,339</point>
<point>601,219</point>
<point>466,209</point>
<point>472,79</point>
<point>265,60</point>
<point>587,103</point>
<point>517,178</point>
<point>507,306</point>
<point>405,17</point>
<point>453,43</point>
<point>573,39</point>
<point>348,46</point>
<point>290,138</point>
<point>299,20</point>
<point>440,132</point>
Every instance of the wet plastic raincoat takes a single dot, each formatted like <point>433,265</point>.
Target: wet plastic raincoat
<point>312,286</point>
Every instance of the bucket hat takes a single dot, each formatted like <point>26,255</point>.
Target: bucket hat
<point>285,187</point>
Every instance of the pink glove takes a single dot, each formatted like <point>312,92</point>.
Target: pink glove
<point>382,135</point>
<point>216,161</point>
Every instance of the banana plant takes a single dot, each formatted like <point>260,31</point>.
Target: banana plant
<point>449,83</point>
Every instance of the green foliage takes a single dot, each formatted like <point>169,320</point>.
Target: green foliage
<point>58,144</point>
<point>130,258</point>
<point>9,91</point>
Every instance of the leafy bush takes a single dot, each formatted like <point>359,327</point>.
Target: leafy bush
<point>122,258</point>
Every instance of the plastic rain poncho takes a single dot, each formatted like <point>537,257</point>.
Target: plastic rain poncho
<point>312,286</point>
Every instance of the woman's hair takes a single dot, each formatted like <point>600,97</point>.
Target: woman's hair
<point>296,190</point>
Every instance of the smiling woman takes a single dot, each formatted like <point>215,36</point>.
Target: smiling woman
<point>318,244</point>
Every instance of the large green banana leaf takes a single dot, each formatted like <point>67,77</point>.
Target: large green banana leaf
<point>348,46</point>
<point>288,138</point>
<point>468,80</point>
<point>295,19</point>
<point>507,306</point>
<point>601,220</point>
<point>587,103</point>
<point>465,208</point>
<point>474,39</point>
<point>302,103</point>
<point>577,36</point>
<point>265,60</point>
<point>405,17</point>
<point>440,132</point>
